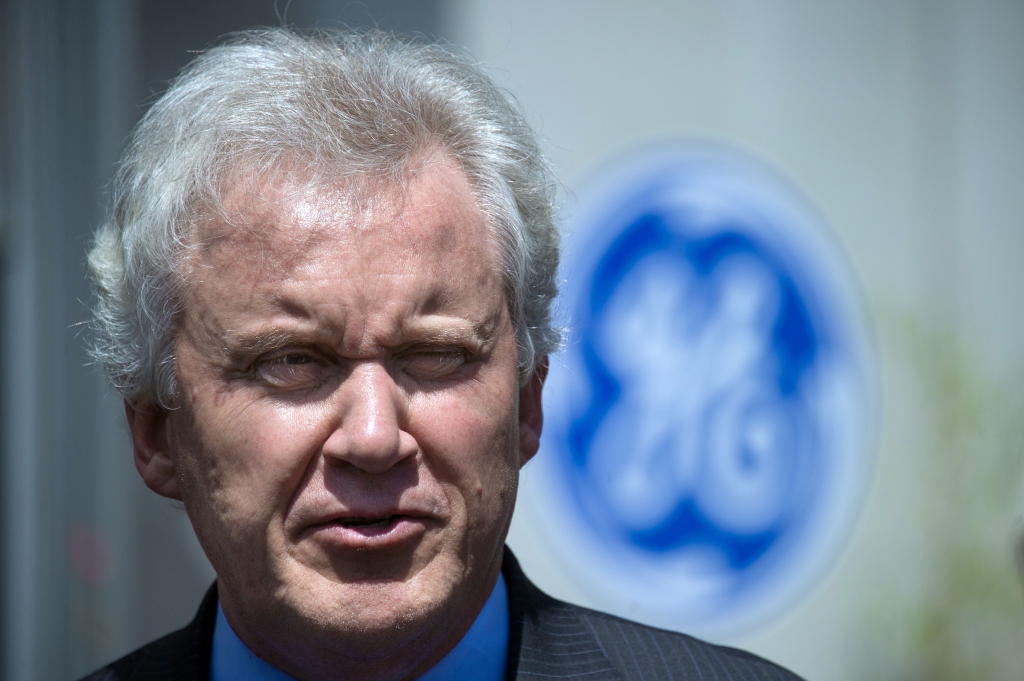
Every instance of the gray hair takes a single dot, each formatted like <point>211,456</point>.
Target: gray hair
<point>360,103</point>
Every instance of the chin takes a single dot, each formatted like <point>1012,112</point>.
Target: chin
<point>374,615</point>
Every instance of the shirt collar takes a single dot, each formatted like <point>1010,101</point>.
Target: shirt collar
<point>479,655</point>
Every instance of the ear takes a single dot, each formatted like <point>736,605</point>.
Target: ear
<point>153,459</point>
<point>531,413</point>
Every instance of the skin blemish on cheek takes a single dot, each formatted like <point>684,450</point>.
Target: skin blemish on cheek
<point>220,396</point>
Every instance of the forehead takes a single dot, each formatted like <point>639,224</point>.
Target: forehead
<point>279,221</point>
<point>359,265</point>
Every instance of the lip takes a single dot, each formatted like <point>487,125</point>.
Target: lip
<point>369,531</point>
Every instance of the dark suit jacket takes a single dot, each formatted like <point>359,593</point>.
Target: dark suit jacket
<point>547,639</point>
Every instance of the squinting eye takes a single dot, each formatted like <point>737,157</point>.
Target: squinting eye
<point>429,364</point>
<point>294,358</point>
<point>292,370</point>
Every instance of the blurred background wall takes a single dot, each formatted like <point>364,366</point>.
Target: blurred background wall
<point>902,120</point>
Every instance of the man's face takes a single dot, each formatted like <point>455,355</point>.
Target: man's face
<point>349,425</point>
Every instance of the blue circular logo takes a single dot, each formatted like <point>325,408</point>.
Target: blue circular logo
<point>709,426</point>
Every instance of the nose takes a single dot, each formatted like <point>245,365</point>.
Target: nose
<point>371,413</point>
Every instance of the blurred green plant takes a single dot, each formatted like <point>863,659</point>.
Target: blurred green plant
<point>969,625</point>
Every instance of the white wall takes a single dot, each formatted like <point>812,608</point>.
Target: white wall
<point>904,121</point>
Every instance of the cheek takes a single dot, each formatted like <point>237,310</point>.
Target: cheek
<point>471,447</point>
<point>246,460</point>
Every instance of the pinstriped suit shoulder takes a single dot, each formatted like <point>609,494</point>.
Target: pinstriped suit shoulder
<point>548,639</point>
<point>557,640</point>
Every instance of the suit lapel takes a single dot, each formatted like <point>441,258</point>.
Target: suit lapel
<point>546,637</point>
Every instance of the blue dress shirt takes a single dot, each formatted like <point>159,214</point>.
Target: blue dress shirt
<point>479,655</point>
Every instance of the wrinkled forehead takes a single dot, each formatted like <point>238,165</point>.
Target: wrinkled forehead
<point>277,217</point>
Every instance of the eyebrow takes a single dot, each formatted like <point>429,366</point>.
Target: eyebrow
<point>448,330</point>
<point>262,342</point>
<point>434,329</point>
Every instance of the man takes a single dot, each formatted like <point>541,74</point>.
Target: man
<point>324,292</point>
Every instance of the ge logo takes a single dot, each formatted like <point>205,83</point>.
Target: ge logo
<point>711,420</point>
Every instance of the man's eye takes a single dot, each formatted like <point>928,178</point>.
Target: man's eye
<point>293,359</point>
<point>291,370</point>
<point>429,364</point>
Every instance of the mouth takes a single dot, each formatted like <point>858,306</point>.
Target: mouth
<point>363,522</point>
<point>370,532</point>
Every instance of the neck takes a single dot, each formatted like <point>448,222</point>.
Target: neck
<point>406,650</point>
